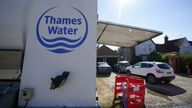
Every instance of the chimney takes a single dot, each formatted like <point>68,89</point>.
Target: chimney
<point>166,39</point>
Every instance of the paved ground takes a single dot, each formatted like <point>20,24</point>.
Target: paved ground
<point>9,99</point>
<point>176,94</point>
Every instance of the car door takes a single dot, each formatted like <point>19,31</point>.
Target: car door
<point>136,68</point>
<point>145,69</point>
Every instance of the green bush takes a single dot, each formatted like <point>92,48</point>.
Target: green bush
<point>154,57</point>
<point>182,60</point>
<point>187,58</point>
<point>165,57</point>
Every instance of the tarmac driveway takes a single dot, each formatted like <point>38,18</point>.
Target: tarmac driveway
<point>176,94</point>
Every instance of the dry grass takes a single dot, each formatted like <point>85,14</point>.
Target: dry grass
<point>105,93</point>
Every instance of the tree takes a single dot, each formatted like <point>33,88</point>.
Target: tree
<point>155,57</point>
<point>135,59</point>
<point>120,51</point>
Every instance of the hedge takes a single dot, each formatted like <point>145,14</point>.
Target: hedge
<point>183,60</point>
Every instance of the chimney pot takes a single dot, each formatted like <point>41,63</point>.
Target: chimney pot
<point>166,39</point>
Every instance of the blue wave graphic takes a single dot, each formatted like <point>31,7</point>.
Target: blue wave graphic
<point>50,44</point>
<point>61,38</point>
<point>60,50</point>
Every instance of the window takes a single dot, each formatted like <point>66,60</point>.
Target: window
<point>124,64</point>
<point>163,66</point>
<point>137,65</point>
<point>146,65</point>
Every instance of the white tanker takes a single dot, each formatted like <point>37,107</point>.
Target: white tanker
<point>56,36</point>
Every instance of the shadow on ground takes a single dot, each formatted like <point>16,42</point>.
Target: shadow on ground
<point>166,89</point>
<point>184,75</point>
<point>102,75</point>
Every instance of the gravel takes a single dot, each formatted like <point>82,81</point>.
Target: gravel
<point>177,94</point>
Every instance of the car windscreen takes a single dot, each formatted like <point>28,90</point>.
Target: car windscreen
<point>163,66</point>
<point>125,64</point>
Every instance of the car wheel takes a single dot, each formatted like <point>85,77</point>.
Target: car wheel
<point>128,72</point>
<point>151,79</point>
<point>167,81</point>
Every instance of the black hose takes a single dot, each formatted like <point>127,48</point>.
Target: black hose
<point>7,89</point>
<point>26,103</point>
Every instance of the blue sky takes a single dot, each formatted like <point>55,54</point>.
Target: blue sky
<point>172,17</point>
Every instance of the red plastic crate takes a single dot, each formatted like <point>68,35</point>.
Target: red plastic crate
<point>119,79</point>
<point>134,90</point>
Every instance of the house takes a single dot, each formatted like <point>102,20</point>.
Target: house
<point>127,53</point>
<point>181,45</point>
<point>105,54</point>
<point>143,49</point>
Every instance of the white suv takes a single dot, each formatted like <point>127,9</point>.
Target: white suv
<point>152,71</point>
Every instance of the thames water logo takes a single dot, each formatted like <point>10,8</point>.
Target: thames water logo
<point>63,32</point>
